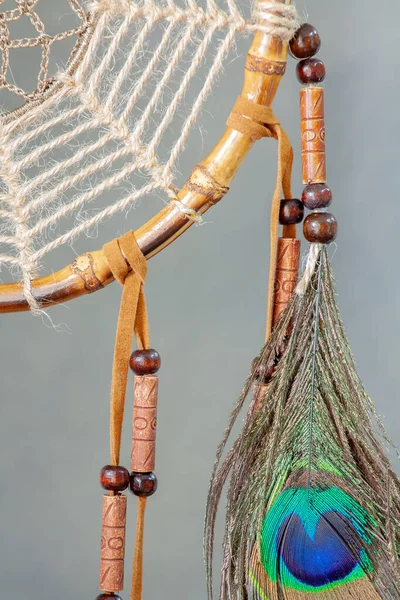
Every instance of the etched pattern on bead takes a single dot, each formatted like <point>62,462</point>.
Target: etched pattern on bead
<point>113,543</point>
<point>286,274</point>
<point>313,135</point>
<point>144,424</point>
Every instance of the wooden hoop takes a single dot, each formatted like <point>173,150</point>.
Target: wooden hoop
<point>207,184</point>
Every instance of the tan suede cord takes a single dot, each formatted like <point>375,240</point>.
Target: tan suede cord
<point>129,267</point>
<point>137,573</point>
<point>256,121</point>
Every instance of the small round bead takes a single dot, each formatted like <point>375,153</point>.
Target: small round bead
<point>110,596</point>
<point>316,195</point>
<point>115,479</point>
<point>291,212</point>
<point>306,42</point>
<point>310,70</point>
<point>143,484</point>
<point>145,362</point>
<point>320,228</point>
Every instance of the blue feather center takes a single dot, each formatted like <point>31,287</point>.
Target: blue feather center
<point>323,558</point>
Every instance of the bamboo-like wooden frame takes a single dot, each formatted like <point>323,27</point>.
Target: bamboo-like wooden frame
<point>207,184</point>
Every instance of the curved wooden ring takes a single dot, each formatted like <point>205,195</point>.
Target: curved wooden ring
<point>207,184</point>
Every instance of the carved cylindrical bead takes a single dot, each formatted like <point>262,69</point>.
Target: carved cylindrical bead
<point>144,424</point>
<point>313,135</point>
<point>286,273</point>
<point>113,543</point>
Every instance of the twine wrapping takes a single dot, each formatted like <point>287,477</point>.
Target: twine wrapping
<point>256,121</point>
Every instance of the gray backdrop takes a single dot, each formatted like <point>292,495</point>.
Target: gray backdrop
<point>206,299</point>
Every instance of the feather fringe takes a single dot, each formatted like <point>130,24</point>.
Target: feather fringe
<point>313,504</point>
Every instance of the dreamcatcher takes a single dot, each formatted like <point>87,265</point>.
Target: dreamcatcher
<point>313,503</point>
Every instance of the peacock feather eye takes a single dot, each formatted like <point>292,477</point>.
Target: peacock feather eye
<point>313,507</point>
<point>315,539</point>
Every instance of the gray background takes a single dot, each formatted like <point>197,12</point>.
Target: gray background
<point>206,299</point>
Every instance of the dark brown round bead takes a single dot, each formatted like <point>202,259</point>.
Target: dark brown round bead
<point>316,195</point>
<point>143,484</point>
<point>310,70</point>
<point>306,42</point>
<point>291,212</point>
<point>115,479</point>
<point>110,596</point>
<point>145,362</point>
<point>320,228</point>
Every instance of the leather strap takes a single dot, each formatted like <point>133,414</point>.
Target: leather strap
<point>256,121</point>
<point>129,267</point>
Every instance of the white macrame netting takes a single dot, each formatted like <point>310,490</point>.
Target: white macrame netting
<point>118,120</point>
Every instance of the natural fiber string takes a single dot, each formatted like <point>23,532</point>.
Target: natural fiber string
<point>190,213</point>
<point>255,122</point>
<point>129,267</point>
<point>26,9</point>
<point>277,19</point>
<point>97,99</point>
<point>309,270</point>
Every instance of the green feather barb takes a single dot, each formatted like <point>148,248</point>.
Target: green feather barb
<point>313,507</point>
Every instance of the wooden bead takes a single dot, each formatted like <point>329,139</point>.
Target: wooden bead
<point>316,195</point>
<point>108,597</point>
<point>113,543</point>
<point>320,228</point>
<point>311,70</point>
<point>312,124</point>
<point>145,362</point>
<point>306,42</point>
<point>115,479</point>
<point>144,424</point>
<point>287,268</point>
<point>291,212</point>
<point>143,484</point>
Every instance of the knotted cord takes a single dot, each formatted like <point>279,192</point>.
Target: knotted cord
<point>256,121</point>
<point>97,128</point>
<point>129,268</point>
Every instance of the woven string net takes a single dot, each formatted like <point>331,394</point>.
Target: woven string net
<point>115,115</point>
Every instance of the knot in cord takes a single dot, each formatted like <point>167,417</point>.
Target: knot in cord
<point>253,120</point>
<point>124,257</point>
<point>129,267</point>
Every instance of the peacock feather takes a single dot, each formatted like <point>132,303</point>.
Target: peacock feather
<point>313,508</point>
